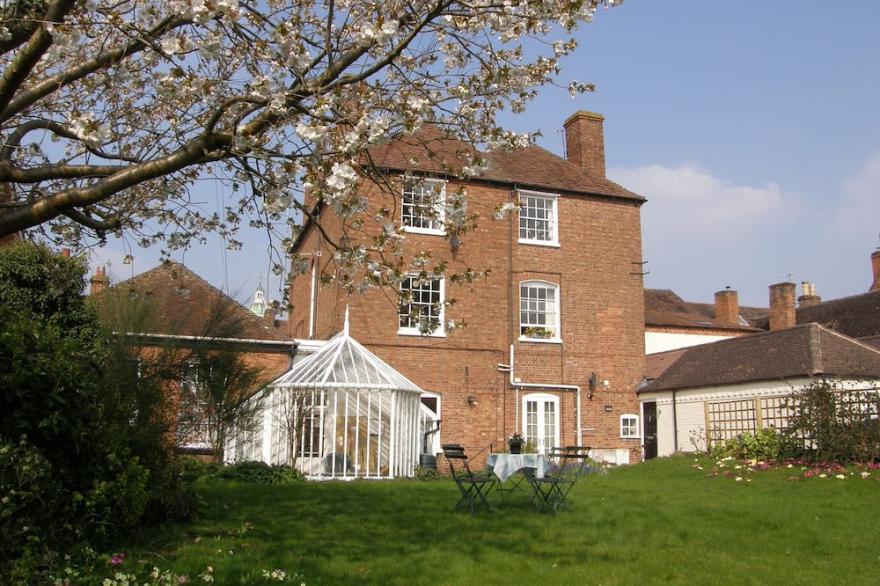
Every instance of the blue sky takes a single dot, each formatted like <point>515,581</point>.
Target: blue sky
<point>752,129</point>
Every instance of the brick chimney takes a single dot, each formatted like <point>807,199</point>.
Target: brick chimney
<point>269,318</point>
<point>875,266</point>
<point>727,307</point>
<point>808,295</point>
<point>65,252</point>
<point>585,142</point>
<point>99,281</point>
<point>782,312</point>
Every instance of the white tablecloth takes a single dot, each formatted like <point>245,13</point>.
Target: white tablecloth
<point>505,465</point>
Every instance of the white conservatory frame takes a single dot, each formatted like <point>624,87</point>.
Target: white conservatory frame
<point>363,417</point>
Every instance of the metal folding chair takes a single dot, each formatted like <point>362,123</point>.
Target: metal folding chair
<point>567,466</point>
<point>474,487</point>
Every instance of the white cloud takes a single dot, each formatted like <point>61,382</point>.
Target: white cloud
<point>690,202</point>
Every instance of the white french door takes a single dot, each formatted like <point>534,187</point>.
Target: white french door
<point>541,420</point>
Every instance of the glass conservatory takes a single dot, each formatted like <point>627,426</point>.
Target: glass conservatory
<point>340,413</point>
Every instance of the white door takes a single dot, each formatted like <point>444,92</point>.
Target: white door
<point>541,421</point>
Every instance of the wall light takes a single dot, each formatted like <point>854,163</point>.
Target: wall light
<point>472,401</point>
<point>593,382</point>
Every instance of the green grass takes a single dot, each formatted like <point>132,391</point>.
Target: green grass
<point>662,521</point>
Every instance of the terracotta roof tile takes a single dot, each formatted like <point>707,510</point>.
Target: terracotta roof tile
<point>430,150</point>
<point>804,350</point>
<point>185,304</point>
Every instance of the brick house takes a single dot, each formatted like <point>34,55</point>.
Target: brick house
<point>554,340</point>
<point>185,311</point>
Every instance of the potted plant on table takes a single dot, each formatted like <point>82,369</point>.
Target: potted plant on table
<point>515,443</point>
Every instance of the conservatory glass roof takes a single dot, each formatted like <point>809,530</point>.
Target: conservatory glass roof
<point>343,362</point>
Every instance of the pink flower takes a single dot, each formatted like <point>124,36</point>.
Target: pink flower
<point>117,559</point>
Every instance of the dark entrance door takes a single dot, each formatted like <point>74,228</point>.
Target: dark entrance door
<point>650,423</point>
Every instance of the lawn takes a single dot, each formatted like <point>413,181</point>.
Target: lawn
<point>662,521</point>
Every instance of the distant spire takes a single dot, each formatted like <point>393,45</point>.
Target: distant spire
<point>345,324</point>
<point>259,305</point>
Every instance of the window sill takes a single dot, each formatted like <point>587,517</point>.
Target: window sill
<point>426,231</point>
<point>547,243</point>
<point>541,340</point>
<point>630,437</point>
<point>418,334</point>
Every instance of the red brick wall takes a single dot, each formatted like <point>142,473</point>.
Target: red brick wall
<point>602,318</point>
<point>782,308</point>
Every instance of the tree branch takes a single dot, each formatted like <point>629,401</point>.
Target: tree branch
<point>65,78</point>
<point>30,53</point>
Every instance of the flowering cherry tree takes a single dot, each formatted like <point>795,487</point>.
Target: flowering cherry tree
<point>112,110</point>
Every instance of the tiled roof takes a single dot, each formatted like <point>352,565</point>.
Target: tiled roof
<point>857,316</point>
<point>431,151</point>
<point>656,364</point>
<point>804,350</point>
<point>750,314</point>
<point>664,308</point>
<point>184,304</point>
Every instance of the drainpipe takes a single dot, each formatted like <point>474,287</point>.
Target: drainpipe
<point>517,386</point>
<point>674,425</point>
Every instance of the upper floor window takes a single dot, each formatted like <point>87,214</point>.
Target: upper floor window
<point>423,206</point>
<point>538,218</point>
<point>629,426</point>
<point>421,306</point>
<point>539,311</point>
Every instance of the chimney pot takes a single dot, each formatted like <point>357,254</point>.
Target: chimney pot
<point>727,307</point>
<point>808,297</point>
<point>585,142</point>
<point>782,310</point>
<point>99,281</point>
<point>65,252</point>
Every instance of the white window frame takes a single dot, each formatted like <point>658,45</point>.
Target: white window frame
<point>554,220</point>
<point>425,415</point>
<point>542,399</point>
<point>440,332</point>
<point>439,206</point>
<point>556,338</point>
<point>623,429</point>
<point>197,431</point>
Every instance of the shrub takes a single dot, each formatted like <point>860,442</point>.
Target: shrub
<point>259,473</point>
<point>766,444</point>
<point>832,424</point>
<point>425,473</point>
<point>83,456</point>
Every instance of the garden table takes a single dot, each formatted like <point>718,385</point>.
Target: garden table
<point>506,465</point>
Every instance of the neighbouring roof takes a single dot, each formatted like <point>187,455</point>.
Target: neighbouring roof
<point>804,350</point>
<point>431,151</point>
<point>857,316</point>
<point>871,340</point>
<point>181,303</point>
<point>343,362</point>
<point>664,308</point>
<point>751,315</point>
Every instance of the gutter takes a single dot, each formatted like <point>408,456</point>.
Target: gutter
<point>277,345</point>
